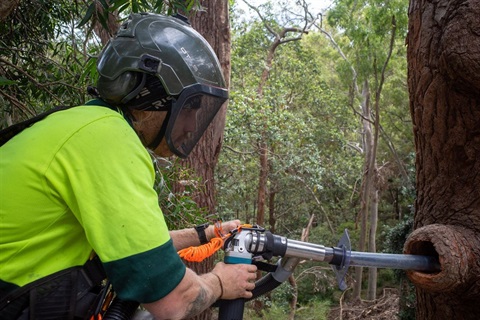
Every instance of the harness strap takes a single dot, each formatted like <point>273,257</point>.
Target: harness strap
<point>161,133</point>
<point>11,131</point>
<point>73,293</point>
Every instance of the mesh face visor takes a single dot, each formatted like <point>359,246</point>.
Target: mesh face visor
<point>191,114</point>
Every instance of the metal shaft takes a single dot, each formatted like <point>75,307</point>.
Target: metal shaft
<point>307,251</point>
<point>315,252</point>
<point>343,257</point>
<point>394,261</point>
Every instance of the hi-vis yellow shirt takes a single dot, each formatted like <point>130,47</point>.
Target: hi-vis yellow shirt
<point>81,181</point>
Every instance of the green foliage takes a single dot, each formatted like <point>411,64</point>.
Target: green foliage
<point>305,115</point>
<point>368,25</point>
<point>178,207</point>
<point>304,121</point>
<point>386,278</point>
<point>48,50</point>
<point>44,72</point>
<point>407,302</point>
<point>316,282</point>
<point>314,310</point>
<point>370,28</point>
<point>316,146</point>
<point>125,7</point>
<point>396,235</point>
<point>395,238</point>
<point>308,119</point>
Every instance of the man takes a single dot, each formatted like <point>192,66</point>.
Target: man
<point>80,181</point>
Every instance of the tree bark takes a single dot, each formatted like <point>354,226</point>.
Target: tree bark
<point>112,23</point>
<point>367,184</point>
<point>444,83</point>
<point>372,246</point>
<point>6,7</point>
<point>272,220</point>
<point>214,25</point>
<point>262,180</point>
<point>454,292</point>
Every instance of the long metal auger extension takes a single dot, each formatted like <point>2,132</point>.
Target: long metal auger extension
<point>256,243</point>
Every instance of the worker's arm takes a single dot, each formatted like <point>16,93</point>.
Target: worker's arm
<point>196,293</point>
<point>189,237</point>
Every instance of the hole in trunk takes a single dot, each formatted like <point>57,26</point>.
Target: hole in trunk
<point>425,248</point>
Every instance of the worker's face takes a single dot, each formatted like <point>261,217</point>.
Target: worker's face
<point>185,126</point>
<point>147,124</point>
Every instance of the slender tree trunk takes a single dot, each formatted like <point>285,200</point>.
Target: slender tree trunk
<point>293,301</point>
<point>366,186</point>
<point>291,279</point>
<point>271,210</point>
<point>263,146</point>
<point>372,246</point>
<point>262,181</point>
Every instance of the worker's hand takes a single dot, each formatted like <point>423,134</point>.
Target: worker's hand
<point>237,280</point>
<point>226,228</point>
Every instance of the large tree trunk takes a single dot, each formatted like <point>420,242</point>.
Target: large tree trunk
<point>6,7</point>
<point>444,83</point>
<point>213,23</point>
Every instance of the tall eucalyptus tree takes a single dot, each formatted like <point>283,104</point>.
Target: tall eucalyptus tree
<point>371,27</point>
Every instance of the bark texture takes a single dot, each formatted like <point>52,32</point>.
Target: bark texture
<point>457,249</point>
<point>213,24</point>
<point>6,7</point>
<point>444,83</point>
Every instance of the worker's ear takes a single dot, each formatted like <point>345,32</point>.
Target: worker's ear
<point>121,89</point>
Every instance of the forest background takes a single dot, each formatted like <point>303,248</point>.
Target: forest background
<point>318,135</point>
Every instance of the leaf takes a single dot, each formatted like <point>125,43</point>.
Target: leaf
<point>6,82</point>
<point>124,7</point>
<point>88,15</point>
<point>146,6</point>
<point>158,6</point>
<point>190,4</point>
<point>104,4</point>
<point>103,18</point>
<point>89,70</point>
<point>135,6</point>
<point>118,4</point>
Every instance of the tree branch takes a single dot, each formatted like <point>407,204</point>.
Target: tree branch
<point>25,110</point>
<point>29,77</point>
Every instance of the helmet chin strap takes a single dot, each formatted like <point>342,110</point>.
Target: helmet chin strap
<point>161,133</point>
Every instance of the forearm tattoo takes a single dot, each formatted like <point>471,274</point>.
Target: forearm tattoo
<point>199,304</point>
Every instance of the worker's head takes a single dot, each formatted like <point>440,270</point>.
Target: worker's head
<point>167,77</point>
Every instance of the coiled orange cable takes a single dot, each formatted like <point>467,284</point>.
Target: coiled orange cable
<point>198,254</point>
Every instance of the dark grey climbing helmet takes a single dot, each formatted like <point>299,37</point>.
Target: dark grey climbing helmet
<point>160,63</point>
